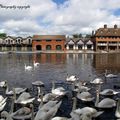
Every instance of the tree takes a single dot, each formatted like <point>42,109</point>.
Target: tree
<point>77,35</point>
<point>3,35</point>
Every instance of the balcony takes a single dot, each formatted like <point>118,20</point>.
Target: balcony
<point>101,44</point>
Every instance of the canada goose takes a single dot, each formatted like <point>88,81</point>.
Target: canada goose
<point>105,103</point>
<point>109,75</point>
<point>28,68</point>
<point>97,81</point>
<point>108,92</point>
<point>60,91</point>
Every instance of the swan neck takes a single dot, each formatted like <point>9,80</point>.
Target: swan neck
<point>97,96</point>
<point>74,103</point>
<point>53,85</point>
<point>118,106</point>
<point>32,112</point>
<point>12,106</point>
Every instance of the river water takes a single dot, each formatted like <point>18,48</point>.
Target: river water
<point>56,67</point>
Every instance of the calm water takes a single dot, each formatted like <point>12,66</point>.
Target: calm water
<point>56,67</point>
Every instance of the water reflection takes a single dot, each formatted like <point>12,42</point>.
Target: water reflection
<point>107,61</point>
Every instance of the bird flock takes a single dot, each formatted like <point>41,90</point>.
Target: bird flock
<point>88,100</point>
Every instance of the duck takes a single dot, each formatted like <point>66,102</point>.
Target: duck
<point>108,92</point>
<point>28,68</point>
<point>71,78</point>
<point>60,91</point>
<point>104,103</point>
<point>36,64</point>
<point>110,75</point>
<point>97,81</point>
<point>2,102</point>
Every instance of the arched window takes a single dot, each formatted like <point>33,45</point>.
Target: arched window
<point>58,47</point>
<point>48,47</point>
<point>38,47</point>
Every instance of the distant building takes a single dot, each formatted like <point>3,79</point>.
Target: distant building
<point>10,43</point>
<point>48,42</point>
<point>79,44</point>
<point>107,39</point>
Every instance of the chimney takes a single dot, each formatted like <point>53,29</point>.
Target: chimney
<point>105,26</point>
<point>115,26</point>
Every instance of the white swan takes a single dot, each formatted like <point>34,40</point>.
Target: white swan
<point>71,78</point>
<point>85,96</point>
<point>105,103</point>
<point>47,97</point>
<point>109,75</point>
<point>60,118</point>
<point>23,113</point>
<point>28,68</point>
<point>24,98</point>
<point>80,113</point>
<point>38,83</point>
<point>17,90</point>
<point>117,112</point>
<point>5,116</point>
<point>3,83</point>
<point>97,81</point>
<point>47,111</point>
<point>36,64</point>
<point>2,102</point>
<point>60,91</point>
<point>108,92</point>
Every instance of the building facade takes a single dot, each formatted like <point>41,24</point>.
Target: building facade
<point>15,43</point>
<point>79,44</point>
<point>107,39</point>
<point>48,42</point>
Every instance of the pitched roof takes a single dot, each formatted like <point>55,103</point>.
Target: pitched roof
<point>108,31</point>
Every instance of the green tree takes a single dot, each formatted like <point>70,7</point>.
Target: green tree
<point>3,35</point>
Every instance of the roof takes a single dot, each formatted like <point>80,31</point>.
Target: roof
<point>108,31</point>
<point>39,37</point>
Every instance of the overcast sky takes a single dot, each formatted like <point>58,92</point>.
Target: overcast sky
<point>57,16</point>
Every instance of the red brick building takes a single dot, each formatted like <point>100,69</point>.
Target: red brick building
<point>48,42</point>
<point>107,39</point>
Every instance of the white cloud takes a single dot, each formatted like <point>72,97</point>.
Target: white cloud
<point>46,17</point>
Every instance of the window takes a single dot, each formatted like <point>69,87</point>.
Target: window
<point>38,40</point>
<point>48,40</point>
<point>58,47</point>
<point>58,40</point>
<point>48,47</point>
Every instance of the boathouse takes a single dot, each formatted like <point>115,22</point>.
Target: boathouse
<point>48,42</point>
<point>107,39</point>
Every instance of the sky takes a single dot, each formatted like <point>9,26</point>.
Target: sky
<point>66,17</point>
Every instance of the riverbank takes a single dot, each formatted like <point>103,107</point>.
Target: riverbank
<point>51,51</point>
